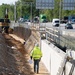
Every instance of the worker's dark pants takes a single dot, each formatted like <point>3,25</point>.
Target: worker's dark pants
<point>36,65</point>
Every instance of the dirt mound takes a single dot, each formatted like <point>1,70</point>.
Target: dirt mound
<point>13,57</point>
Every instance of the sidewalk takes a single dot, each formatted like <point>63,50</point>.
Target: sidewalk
<point>42,70</point>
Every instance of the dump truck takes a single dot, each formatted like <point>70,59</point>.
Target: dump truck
<point>43,18</point>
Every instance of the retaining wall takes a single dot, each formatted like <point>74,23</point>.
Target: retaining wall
<point>22,32</point>
<point>55,60</point>
<point>52,57</point>
<point>30,37</point>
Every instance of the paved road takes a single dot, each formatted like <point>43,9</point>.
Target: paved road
<point>62,26</point>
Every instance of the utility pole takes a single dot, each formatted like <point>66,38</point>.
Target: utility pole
<point>59,20</point>
<point>31,11</point>
<point>21,9</point>
<point>15,12</point>
<point>60,10</point>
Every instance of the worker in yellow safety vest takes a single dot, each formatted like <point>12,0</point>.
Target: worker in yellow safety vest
<point>36,55</point>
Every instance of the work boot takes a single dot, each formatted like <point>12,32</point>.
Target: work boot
<point>37,72</point>
<point>34,71</point>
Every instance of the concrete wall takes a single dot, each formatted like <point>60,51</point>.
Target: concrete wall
<point>52,58</point>
<point>22,32</point>
<point>30,36</point>
<point>55,60</point>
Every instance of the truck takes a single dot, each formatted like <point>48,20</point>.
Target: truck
<point>70,18</point>
<point>36,19</point>
<point>55,22</point>
<point>43,18</point>
<point>65,19</point>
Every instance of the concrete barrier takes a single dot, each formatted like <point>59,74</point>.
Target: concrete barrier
<point>55,59</point>
<point>52,58</point>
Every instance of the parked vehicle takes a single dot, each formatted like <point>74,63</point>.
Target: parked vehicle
<point>55,22</point>
<point>36,19</point>
<point>65,19</point>
<point>68,26</point>
<point>21,20</point>
<point>70,18</point>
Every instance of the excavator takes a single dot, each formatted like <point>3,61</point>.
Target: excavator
<point>4,23</point>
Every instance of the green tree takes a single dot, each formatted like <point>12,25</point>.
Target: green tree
<point>23,9</point>
<point>3,10</point>
<point>10,9</point>
<point>11,12</point>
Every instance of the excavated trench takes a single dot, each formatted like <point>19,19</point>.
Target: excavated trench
<point>14,55</point>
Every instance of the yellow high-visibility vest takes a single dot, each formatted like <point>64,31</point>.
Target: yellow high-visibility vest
<point>36,53</point>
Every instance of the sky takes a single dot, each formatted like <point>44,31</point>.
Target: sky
<point>7,1</point>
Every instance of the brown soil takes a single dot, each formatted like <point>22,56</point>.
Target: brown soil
<point>14,57</point>
<point>18,58</point>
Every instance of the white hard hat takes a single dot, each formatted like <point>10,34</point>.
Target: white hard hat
<point>37,44</point>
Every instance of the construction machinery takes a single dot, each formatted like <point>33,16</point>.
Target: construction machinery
<point>4,23</point>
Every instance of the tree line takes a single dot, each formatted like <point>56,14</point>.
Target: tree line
<point>24,7</point>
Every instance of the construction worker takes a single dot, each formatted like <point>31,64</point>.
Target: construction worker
<point>36,55</point>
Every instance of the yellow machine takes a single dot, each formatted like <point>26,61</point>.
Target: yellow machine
<point>4,24</point>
